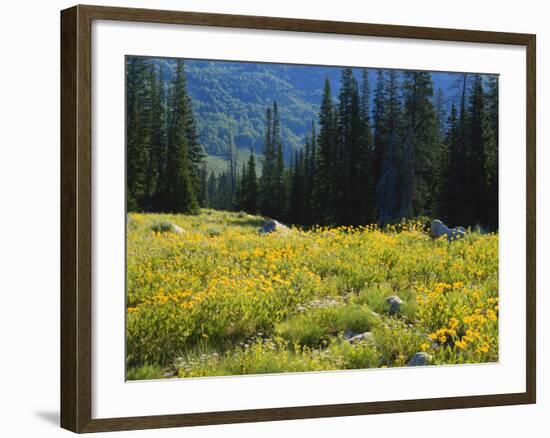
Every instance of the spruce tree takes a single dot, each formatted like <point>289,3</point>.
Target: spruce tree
<point>179,194</point>
<point>387,188</point>
<point>474,183</point>
<point>490,120</point>
<point>366,156</point>
<point>266,182</point>
<point>250,185</point>
<point>326,174</point>
<point>348,152</point>
<point>421,146</point>
<point>138,131</point>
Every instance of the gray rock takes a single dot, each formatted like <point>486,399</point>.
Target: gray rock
<point>420,359</point>
<point>273,226</point>
<point>456,233</point>
<point>394,303</point>
<point>438,229</point>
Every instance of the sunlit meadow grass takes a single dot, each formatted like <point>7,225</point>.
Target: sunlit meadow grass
<point>221,299</point>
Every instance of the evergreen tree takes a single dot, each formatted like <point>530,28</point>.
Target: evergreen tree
<point>268,171</point>
<point>326,175</point>
<point>297,193</point>
<point>491,151</point>
<point>449,189</point>
<point>179,193</point>
<point>138,131</point>
<point>474,182</point>
<point>387,188</point>
<point>157,154</point>
<point>212,187</point>
<point>366,157</point>
<point>250,186</point>
<point>421,147</point>
<point>348,153</point>
<point>279,187</point>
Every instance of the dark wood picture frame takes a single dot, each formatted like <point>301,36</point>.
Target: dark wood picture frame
<point>76,218</point>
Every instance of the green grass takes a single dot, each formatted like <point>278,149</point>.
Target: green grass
<point>221,299</point>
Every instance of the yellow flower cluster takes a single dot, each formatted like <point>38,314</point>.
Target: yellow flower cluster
<point>221,281</point>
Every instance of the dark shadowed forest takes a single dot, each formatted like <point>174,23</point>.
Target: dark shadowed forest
<point>382,145</point>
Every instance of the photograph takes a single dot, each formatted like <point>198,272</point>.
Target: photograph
<point>285,218</point>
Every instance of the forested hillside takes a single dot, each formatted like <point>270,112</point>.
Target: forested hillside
<point>378,146</point>
<point>229,99</point>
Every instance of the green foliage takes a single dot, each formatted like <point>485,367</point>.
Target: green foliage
<point>161,227</point>
<point>221,286</point>
<point>397,342</point>
<point>316,326</point>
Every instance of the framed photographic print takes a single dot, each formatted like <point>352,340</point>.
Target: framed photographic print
<point>303,218</point>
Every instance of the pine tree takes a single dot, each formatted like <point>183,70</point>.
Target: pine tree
<point>326,175</point>
<point>212,187</point>
<point>297,193</point>
<point>266,183</point>
<point>387,188</point>
<point>157,154</point>
<point>348,152</point>
<point>138,131</point>
<point>448,193</point>
<point>279,187</point>
<point>474,183</point>
<point>179,193</point>
<point>250,185</point>
<point>421,146</point>
<point>490,125</point>
<point>366,156</point>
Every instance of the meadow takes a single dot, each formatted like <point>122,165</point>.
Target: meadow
<point>214,297</point>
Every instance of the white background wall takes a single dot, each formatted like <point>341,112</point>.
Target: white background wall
<point>29,216</point>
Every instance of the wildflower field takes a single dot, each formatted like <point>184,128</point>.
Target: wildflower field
<point>217,298</point>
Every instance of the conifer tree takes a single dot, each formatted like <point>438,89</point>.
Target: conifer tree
<point>421,147</point>
<point>250,185</point>
<point>387,189</point>
<point>267,180</point>
<point>474,183</point>
<point>366,156</point>
<point>324,188</point>
<point>179,194</point>
<point>138,131</point>
<point>348,153</point>
<point>491,151</point>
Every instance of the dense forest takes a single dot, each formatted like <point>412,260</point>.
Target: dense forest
<point>395,151</point>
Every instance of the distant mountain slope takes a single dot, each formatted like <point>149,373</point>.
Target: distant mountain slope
<point>230,98</point>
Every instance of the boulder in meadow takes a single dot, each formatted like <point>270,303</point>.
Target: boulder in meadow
<point>394,304</point>
<point>273,226</point>
<point>438,229</point>
<point>420,359</point>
